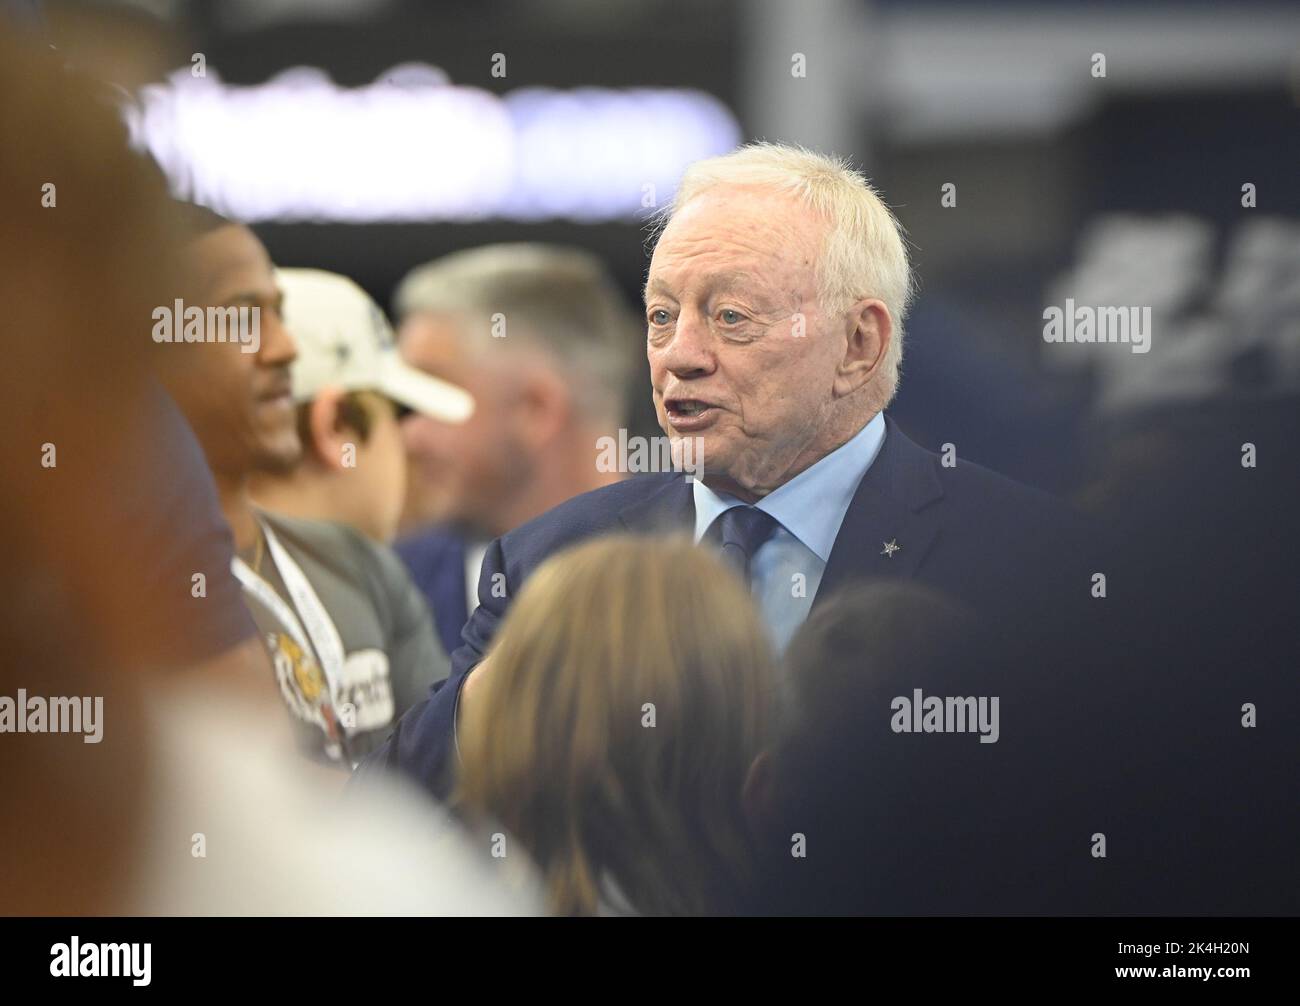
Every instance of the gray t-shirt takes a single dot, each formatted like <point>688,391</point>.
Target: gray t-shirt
<point>391,654</point>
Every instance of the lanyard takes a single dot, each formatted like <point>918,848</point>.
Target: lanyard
<point>315,632</point>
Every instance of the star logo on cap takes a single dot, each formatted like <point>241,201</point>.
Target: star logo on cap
<point>891,547</point>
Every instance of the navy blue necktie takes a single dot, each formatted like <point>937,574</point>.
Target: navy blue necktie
<point>740,533</point>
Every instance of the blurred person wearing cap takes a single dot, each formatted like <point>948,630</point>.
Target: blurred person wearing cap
<point>349,635</point>
<point>348,384</point>
<point>546,343</point>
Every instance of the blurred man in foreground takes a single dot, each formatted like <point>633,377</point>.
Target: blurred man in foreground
<point>545,342</point>
<point>178,799</point>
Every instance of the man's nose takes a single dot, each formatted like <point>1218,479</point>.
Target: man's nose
<point>690,349</point>
<point>278,346</point>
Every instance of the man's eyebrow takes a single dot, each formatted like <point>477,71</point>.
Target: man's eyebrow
<point>730,279</point>
<point>734,278</point>
<point>655,285</point>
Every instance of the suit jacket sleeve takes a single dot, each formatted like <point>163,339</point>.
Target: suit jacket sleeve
<point>422,745</point>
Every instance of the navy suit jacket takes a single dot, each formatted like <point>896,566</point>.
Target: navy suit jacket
<point>436,561</point>
<point>962,530</point>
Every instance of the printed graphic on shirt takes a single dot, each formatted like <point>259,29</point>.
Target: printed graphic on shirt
<point>362,700</point>
<point>364,696</point>
<point>304,688</point>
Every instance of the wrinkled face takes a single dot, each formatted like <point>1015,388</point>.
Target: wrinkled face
<point>741,355</point>
<point>240,404</point>
<point>461,474</point>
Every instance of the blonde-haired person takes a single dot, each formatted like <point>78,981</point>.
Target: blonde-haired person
<point>627,696</point>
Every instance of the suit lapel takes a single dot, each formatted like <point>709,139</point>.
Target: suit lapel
<point>667,508</point>
<point>887,510</point>
<point>455,562</point>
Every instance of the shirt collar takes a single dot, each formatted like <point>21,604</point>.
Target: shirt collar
<point>812,505</point>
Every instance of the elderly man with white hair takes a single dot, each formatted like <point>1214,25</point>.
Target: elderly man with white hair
<point>774,314</point>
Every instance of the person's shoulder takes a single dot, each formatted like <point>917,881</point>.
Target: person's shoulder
<point>623,493</point>
<point>595,511</point>
<point>310,532</point>
<point>971,481</point>
<point>332,543</point>
<point>1007,510</point>
<point>369,565</point>
<point>170,506</point>
<point>599,507</point>
<point>982,494</point>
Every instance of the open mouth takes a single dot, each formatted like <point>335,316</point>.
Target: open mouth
<point>277,389</point>
<point>689,413</point>
<point>280,397</point>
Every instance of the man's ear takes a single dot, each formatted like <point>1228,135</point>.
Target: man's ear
<point>328,435</point>
<point>870,329</point>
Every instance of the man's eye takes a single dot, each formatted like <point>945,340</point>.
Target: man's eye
<point>659,317</point>
<point>730,317</point>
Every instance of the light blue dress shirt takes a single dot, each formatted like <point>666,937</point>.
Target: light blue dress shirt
<point>788,568</point>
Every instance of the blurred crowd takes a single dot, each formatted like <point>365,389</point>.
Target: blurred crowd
<point>353,659</point>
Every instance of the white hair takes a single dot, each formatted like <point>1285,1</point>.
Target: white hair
<point>864,255</point>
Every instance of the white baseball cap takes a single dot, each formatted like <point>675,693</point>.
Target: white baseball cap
<point>344,341</point>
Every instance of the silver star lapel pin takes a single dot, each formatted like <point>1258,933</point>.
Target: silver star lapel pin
<point>891,547</point>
